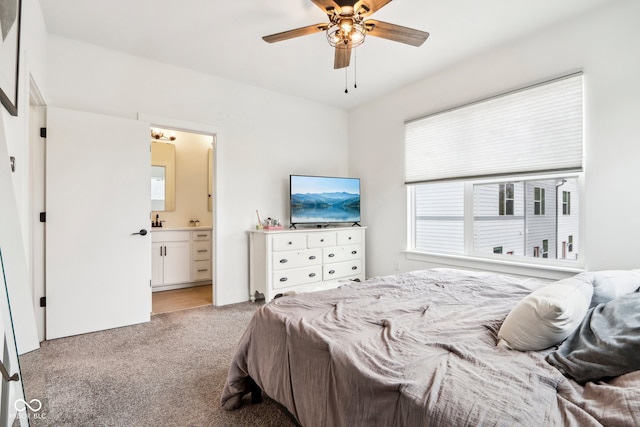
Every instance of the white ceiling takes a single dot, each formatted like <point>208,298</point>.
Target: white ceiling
<point>223,38</point>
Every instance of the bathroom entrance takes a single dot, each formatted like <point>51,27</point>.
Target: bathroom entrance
<point>182,202</point>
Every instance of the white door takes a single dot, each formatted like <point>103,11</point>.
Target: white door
<point>98,270</point>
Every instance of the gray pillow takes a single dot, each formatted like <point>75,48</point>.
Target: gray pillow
<point>611,284</point>
<point>606,344</point>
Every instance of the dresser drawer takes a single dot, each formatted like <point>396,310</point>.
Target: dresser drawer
<point>349,237</point>
<point>289,241</point>
<point>295,259</point>
<point>321,240</point>
<point>201,270</point>
<point>201,250</point>
<point>341,253</point>
<point>297,276</point>
<point>341,269</point>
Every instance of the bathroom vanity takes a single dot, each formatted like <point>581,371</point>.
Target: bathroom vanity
<point>180,257</point>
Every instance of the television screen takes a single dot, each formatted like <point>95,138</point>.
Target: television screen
<point>323,199</point>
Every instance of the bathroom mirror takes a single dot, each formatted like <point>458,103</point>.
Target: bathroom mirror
<point>163,176</point>
<point>210,180</point>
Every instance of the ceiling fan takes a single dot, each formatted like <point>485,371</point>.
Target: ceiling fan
<point>348,26</point>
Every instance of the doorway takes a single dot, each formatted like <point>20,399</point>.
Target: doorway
<point>183,207</point>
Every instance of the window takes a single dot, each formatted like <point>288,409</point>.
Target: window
<point>566,203</point>
<point>538,201</point>
<point>505,206</point>
<point>570,243</point>
<point>497,176</point>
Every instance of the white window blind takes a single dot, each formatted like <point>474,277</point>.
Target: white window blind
<point>533,130</point>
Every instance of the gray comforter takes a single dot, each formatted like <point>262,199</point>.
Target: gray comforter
<point>417,349</point>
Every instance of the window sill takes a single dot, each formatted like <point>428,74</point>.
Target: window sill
<point>554,271</point>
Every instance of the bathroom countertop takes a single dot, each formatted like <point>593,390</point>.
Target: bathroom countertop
<point>186,228</point>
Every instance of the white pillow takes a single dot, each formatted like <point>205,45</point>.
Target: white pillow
<point>611,284</point>
<point>547,316</point>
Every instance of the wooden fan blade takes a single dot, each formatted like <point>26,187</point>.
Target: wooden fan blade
<point>326,5</point>
<point>370,6</point>
<point>285,35</point>
<point>394,32</point>
<point>342,57</point>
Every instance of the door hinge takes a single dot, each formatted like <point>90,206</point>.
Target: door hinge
<point>43,132</point>
<point>43,301</point>
<point>43,217</point>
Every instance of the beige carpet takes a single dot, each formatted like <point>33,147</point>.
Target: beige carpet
<point>168,372</point>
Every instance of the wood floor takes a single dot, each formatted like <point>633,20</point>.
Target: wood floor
<point>181,299</point>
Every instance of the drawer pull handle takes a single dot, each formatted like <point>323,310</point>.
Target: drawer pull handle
<point>203,270</point>
<point>349,237</point>
<point>291,243</point>
<point>312,257</point>
<point>283,279</point>
<point>312,274</point>
<point>203,250</point>
<point>331,255</point>
<point>282,261</point>
<point>354,267</point>
<point>321,240</point>
<point>202,235</point>
<point>354,252</point>
<point>331,271</point>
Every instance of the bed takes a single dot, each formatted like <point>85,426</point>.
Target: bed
<point>428,348</point>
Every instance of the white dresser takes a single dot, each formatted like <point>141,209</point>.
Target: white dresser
<point>180,257</point>
<point>304,260</point>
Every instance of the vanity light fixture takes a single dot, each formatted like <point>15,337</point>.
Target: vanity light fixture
<point>159,135</point>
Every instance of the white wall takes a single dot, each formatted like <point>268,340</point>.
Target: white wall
<point>605,44</point>
<point>264,136</point>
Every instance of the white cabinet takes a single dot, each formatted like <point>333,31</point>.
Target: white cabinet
<point>304,260</point>
<point>179,258</point>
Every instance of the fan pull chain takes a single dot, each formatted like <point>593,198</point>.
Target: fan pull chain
<point>355,69</point>
<point>345,81</point>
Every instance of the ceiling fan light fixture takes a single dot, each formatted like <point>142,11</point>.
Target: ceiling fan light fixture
<point>349,34</point>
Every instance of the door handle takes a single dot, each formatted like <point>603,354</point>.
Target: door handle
<point>142,232</point>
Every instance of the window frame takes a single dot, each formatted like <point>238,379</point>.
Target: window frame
<point>539,267</point>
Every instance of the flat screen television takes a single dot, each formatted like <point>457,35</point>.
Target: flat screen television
<point>323,200</point>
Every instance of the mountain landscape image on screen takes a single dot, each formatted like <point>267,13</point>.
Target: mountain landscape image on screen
<point>325,207</point>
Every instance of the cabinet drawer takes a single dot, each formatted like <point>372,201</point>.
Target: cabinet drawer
<point>289,241</point>
<point>297,276</point>
<point>201,235</point>
<point>341,269</point>
<point>348,237</point>
<point>201,250</point>
<point>169,236</point>
<point>295,259</point>
<point>201,270</point>
<point>321,240</point>
<point>341,253</point>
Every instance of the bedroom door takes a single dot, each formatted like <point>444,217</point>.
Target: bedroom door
<point>98,249</point>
